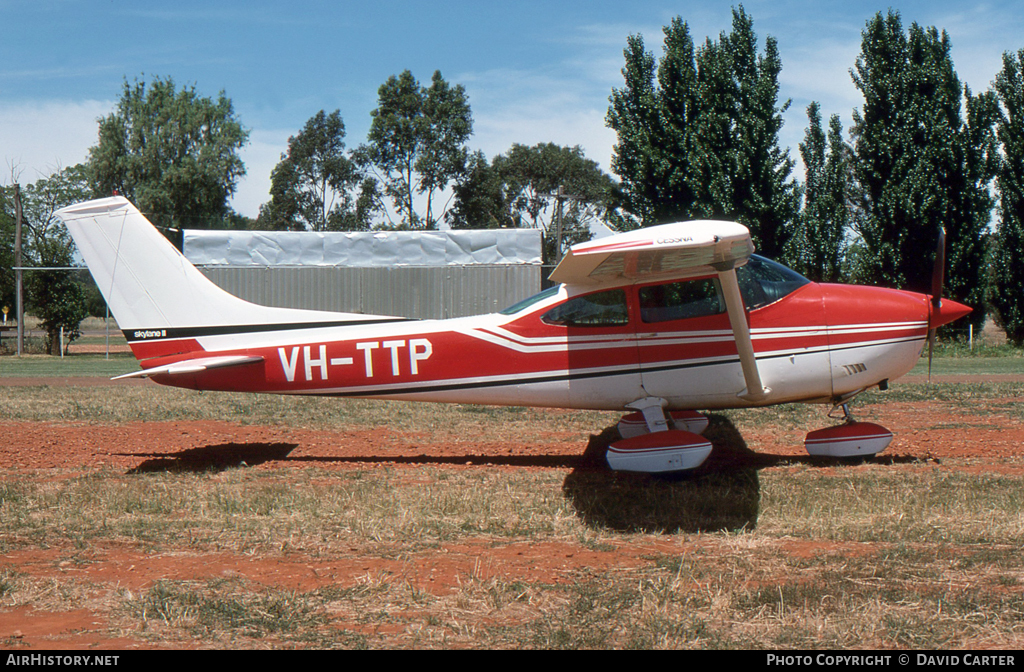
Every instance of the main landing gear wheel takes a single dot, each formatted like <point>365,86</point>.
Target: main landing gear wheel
<point>657,442</point>
<point>659,452</point>
<point>849,440</point>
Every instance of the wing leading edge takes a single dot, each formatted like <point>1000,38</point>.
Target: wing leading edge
<point>683,249</point>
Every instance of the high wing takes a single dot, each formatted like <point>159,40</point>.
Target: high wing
<point>683,249</point>
<point>669,251</point>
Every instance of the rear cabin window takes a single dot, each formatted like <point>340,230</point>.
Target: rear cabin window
<point>681,300</point>
<point>602,309</point>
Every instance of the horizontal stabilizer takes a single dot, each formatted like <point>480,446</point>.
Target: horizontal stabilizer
<point>194,366</point>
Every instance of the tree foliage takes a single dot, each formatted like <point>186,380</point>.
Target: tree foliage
<point>520,189</point>
<point>312,186</point>
<point>416,145</point>
<point>54,296</point>
<point>698,133</point>
<point>817,248</point>
<point>170,151</point>
<point>919,164</point>
<point>7,281</point>
<point>1007,288</point>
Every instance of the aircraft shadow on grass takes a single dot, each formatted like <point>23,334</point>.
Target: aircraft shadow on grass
<point>213,458</point>
<point>721,494</point>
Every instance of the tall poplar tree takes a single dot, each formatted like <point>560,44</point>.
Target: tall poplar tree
<point>817,247</point>
<point>698,133</point>
<point>919,165</point>
<point>1007,288</point>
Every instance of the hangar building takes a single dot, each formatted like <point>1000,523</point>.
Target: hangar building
<point>421,274</point>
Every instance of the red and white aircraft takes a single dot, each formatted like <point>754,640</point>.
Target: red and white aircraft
<point>660,321</point>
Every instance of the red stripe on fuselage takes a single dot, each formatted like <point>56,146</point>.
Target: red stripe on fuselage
<point>145,350</point>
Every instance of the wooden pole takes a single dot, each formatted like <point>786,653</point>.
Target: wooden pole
<point>19,304</point>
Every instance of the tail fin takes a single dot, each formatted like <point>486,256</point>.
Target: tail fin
<point>155,294</point>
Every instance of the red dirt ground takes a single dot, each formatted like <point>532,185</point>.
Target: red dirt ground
<point>925,433</point>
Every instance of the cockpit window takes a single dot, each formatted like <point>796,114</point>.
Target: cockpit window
<point>526,303</point>
<point>763,281</point>
<point>680,300</point>
<point>602,309</point>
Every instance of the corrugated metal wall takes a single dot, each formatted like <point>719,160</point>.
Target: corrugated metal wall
<point>404,291</point>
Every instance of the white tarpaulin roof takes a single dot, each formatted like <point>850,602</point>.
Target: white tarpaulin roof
<point>365,249</point>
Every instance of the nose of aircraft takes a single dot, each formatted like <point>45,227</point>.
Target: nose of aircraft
<point>945,312</point>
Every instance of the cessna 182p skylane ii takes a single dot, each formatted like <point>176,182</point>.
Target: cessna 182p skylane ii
<point>660,321</point>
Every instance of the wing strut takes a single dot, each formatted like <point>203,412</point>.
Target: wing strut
<point>755,391</point>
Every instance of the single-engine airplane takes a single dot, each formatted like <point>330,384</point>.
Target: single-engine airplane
<point>657,322</point>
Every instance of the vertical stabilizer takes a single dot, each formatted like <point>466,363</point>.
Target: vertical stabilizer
<point>149,284</point>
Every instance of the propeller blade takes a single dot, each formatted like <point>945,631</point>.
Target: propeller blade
<point>939,270</point>
<point>938,276</point>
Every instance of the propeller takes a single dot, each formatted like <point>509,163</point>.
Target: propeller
<point>938,273</point>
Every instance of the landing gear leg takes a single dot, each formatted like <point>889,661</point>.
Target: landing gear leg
<point>845,408</point>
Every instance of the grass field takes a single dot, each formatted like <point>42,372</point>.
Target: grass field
<point>915,553</point>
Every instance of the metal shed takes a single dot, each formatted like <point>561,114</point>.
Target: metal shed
<point>422,274</point>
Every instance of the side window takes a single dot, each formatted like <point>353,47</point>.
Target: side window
<point>680,300</point>
<point>603,309</point>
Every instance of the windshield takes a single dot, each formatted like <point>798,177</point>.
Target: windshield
<point>763,281</point>
<point>526,303</point>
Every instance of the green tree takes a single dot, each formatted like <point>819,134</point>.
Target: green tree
<point>919,165</point>
<point>170,151</point>
<point>312,186</point>
<point>7,282</point>
<point>479,200</point>
<point>520,188</point>
<point>54,296</point>
<point>698,133</point>
<point>416,145</point>
<point>1007,282</point>
<point>818,244</point>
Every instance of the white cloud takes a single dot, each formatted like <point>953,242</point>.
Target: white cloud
<point>495,133</point>
<point>260,155</point>
<point>37,138</point>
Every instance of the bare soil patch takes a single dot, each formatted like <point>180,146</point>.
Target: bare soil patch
<point>928,434</point>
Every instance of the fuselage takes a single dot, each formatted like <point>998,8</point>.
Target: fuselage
<point>583,347</point>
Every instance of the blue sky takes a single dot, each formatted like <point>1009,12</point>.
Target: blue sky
<point>534,71</point>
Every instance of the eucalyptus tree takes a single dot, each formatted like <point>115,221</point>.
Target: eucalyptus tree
<point>416,145</point>
<point>53,295</point>
<point>550,187</point>
<point>314,185</point>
